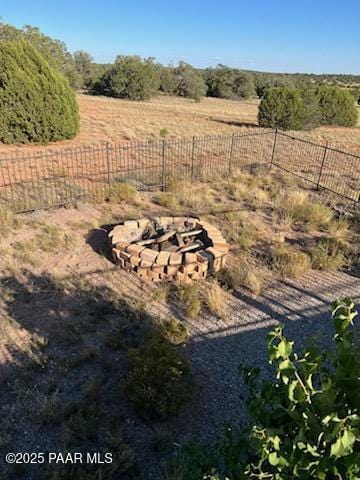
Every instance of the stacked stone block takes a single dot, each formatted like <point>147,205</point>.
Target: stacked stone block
<point>165,265</point>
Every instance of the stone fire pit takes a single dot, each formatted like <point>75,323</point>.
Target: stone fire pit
<point>169,248</point>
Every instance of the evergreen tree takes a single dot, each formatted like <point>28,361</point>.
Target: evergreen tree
<point>190,82</point>
<point>243,85</point>
<point>54,51</point>
<point>36,101</point>
<point>130,77</point>
<point>337,106</point>
<point>282,107</point>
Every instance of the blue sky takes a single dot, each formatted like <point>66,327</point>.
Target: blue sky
<point>280,36</point>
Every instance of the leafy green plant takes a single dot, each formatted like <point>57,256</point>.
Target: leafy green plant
<point>159,380</point>
<point>305,422</point>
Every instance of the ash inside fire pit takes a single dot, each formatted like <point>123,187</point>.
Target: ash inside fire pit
<point>169,248</point>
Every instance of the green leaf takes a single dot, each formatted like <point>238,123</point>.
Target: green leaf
<point>284,348</point>
<point>273,459</point>
<point>348,438</point>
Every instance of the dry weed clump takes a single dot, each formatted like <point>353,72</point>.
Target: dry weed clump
<point>289,262</point>
<point>245,272</point>
<point>123,192</point>
<point>8,221</point>
<point>192,195</point>
<point>52,238</point>
<point>189,296</point>
<point>167,200</point>
<point>339,229</point>
<point>327,254</point>
<point>215,299</point>
<point>295,207</point>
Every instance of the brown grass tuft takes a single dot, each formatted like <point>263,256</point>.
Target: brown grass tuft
<point>215,299</point>
<point>289,262</point>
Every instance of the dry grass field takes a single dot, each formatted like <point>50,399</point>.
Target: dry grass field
<point>113,120</point>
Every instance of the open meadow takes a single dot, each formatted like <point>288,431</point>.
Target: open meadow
<point>104,119</point>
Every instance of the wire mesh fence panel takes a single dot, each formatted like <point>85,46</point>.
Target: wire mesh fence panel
<point>341,174</point>
<point>137,163</point>
<point>211,156</point>
<point>31,181</point>
<point>179,156</point>
<point>325,167</point>
<point>252,149</point>
<point>299,157</point>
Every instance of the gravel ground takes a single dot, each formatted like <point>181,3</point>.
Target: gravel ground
<point>217,348</point>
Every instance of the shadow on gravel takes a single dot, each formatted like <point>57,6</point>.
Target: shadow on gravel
<point>78,320</point>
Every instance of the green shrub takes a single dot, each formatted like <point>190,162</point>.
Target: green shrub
<point>130,77</point>
<point>190,83</point>
<point>243,86</point>
<point>36,102</point>
<point>225,82</point>
<point>337,106</point>
<point>173,331</point>
<point>159,380</point>
<point>282,107</point>
<point>54,51</point>
<point>299,108</point>
<point>219,81</point>
<point>168,80</point>
<point>313,114</point>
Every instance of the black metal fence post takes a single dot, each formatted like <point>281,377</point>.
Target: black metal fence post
<point>107,150</point>
<point>192,157</point>
<point>163,173</point>
<point>322,167</point>
<point>231,152</point>
<point>274,147</point>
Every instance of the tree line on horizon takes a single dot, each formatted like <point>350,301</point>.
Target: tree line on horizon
<point>221,81</point>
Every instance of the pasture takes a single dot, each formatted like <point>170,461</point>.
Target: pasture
<point>106,119</point>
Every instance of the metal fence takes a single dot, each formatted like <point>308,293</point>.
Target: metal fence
<point>32,181</point>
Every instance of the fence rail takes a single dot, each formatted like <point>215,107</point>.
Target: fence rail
<point>32,181</point>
